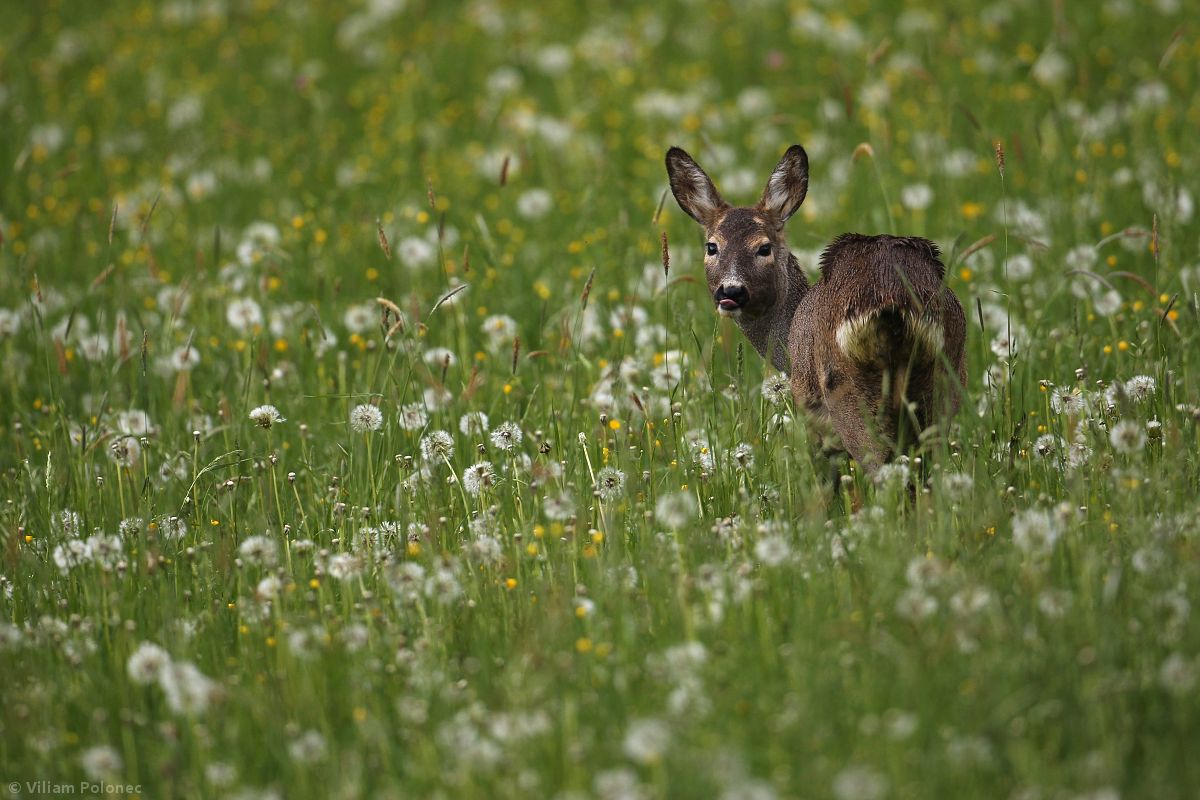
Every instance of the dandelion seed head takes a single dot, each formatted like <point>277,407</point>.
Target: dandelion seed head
<point>916,196</point>
<point>187,689</point>
<point>259,551</point>
<point>1140,387</point>
<point>534,203</point>
<point>1035,531</point>
<point>675,509</point>
<point>500,330</point>
<point>244,315</point>
<point>10,322</point>
<point>1047,444</point>
<point>742,456</point>
<point>1107,303</point>
<point>266,415</point>
<point>183,359</point>
<point>438,357</point>
<point>124,451</point>
<point>957,485</point>
<point>437,446</point>
<point>478,478</point>
<point>365,418</point>
<point>70,554</point>
<point>486,550</point>
<point>1177,675</point>
<point>146,663</point>
<point>506,436</point>
<point>646,740</point>
<point>101,762</point>
<point>473,423</point>
<point>412,417</point>
<point>892,475</point>
<point>1065,400</point>
<point>1127,437</point>
<point>308,748</point>
<point>415,252</point>
<point>172,528</point>
<point>268,588</point>
<point>559,508</point>
<point>772,550</point>
<point>858,782</point>
<point>360,317</point>
<point>344,567</point>
<point>914,604</point>
<point>67,522</point>
<point>610,483</point>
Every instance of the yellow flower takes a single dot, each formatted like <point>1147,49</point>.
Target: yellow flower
<point>972,210</point>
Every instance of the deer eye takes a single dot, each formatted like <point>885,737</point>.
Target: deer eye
<point>712,248</point>
<point>765,250</point>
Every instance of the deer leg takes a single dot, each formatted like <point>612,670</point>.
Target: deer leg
<point>852,416</point>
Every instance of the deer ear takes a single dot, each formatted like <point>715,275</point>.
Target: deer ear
<point>693,190</point>
<point>787,185</point>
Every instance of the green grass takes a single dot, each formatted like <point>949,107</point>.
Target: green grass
<point>718,627</point>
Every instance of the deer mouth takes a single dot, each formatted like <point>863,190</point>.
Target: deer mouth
<point>726,306</point>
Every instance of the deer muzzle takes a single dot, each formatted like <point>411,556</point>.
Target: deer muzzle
<point>731,297</point>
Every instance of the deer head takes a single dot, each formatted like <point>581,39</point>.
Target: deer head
<point>746,256</point>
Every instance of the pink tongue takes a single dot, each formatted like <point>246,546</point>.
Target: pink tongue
<point>728,304</point>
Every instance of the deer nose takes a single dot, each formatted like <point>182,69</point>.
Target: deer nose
<point>731,296</point>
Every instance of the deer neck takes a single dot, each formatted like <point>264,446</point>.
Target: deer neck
<point>769,333</point>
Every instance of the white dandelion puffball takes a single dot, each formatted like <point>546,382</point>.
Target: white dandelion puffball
<point>534,203</point>
<point>147,663</point>
<point>776,388</point>
<point>437,446</point>
<point>266,415</point>
<point>478,478</point>
<point>244,315</point>
<point>365,418</point>
<point>506,436</point>
<point>1035,531</point>
<point>1127,437</point>
<point>675,509</point>
<point>610,483</point>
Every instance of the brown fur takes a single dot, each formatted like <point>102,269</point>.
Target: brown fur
<point>875,349</point>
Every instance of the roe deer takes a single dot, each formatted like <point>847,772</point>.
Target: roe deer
<point>874,349</point>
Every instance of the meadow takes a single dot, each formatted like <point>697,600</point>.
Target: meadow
<point>367,429</point>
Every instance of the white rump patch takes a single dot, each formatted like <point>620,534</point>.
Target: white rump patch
<point>862,339</point>
<point>927,333</point>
